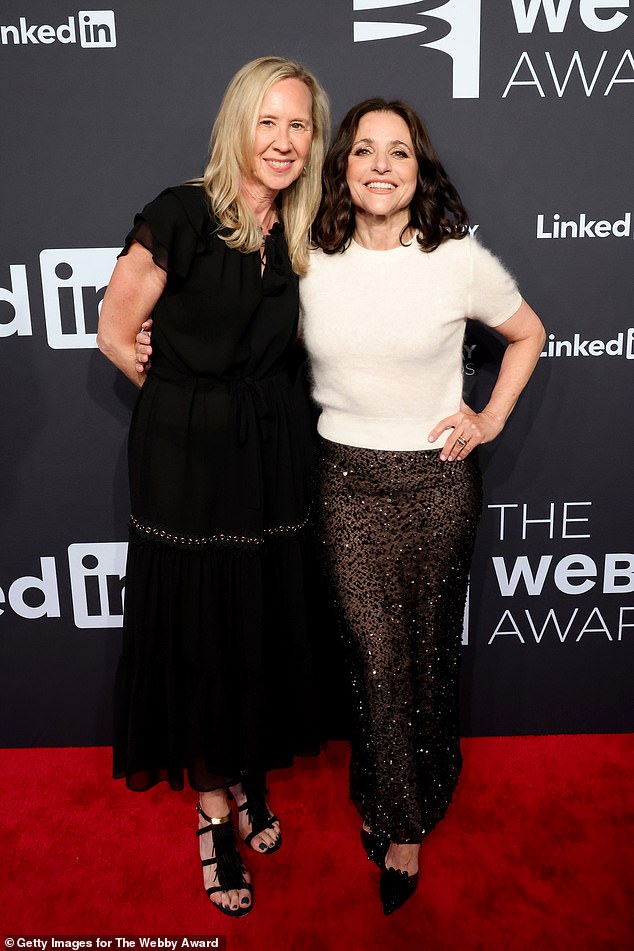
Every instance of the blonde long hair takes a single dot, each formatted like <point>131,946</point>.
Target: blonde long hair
<point>230,155</point>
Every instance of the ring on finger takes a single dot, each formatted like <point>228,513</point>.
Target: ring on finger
<point>462,441</point>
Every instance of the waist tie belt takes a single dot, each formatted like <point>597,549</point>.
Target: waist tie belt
<point>254,420</point>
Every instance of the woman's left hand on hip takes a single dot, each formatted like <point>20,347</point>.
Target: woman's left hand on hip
<point>468,430</point>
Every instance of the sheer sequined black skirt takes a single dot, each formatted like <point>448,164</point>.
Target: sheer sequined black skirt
<point>397,530</point>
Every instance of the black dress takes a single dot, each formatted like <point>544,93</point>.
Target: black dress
<point>215,674</point>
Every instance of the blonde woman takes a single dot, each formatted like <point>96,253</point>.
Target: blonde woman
<point>214,679</point>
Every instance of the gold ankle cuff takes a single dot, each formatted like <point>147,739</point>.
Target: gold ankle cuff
<point>214,822</point>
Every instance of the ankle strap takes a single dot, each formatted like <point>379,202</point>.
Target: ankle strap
<point>214,822</point>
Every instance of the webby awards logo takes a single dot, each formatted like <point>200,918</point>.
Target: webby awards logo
<point>461,44</point>
<point>95,29</point>
<point>570,592</point>
<point>454,28</point>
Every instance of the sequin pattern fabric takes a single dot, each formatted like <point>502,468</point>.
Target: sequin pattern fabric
<point>397,531</point>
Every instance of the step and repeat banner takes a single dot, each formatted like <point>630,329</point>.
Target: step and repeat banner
<point>530,105</point>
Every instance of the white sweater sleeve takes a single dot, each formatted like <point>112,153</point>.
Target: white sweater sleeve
<point>493,294</point>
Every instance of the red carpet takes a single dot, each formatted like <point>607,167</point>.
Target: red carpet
<point>536,852</point>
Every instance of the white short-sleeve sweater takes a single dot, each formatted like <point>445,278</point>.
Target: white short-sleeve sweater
<point>384,333</point>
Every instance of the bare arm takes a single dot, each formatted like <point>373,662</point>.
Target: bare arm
<point>135,287</point>
<point>525,335</point>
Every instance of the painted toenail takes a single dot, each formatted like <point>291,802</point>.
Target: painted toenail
<point>245,901</point>
<point>263,846</point>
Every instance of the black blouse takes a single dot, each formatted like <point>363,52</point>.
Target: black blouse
<point>218,443</point>
<point>219,315</point>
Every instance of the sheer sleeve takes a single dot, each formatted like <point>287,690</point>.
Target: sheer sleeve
<point>165,227</point>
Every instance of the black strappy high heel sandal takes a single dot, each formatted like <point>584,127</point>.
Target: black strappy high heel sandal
<point>259,816</point>
<point>229,868</point>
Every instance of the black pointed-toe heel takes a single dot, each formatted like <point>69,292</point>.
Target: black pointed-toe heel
<point>229,868</point>
<point>375,847</point>
<point>396,886</point>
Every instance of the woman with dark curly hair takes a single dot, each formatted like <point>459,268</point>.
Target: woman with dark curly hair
<point>391,283</point>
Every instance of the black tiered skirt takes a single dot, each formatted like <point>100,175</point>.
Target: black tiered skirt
<point>215,676</point>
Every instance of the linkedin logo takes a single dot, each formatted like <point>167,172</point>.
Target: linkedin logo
<point>95,28</point>
<point>74,282</point>
<point>97,583</point>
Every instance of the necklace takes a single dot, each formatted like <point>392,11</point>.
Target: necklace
<point>267,222</point>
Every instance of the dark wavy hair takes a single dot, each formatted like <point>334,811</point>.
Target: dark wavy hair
<point>436,211</point>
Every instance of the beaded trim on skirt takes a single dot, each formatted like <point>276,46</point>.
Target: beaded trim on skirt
<point>196,541</point>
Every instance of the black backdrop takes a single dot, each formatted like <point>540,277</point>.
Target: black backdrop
<point>529,103</point>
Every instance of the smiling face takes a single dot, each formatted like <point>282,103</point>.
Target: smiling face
<point>382,168</point>
<point>283,138</point>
